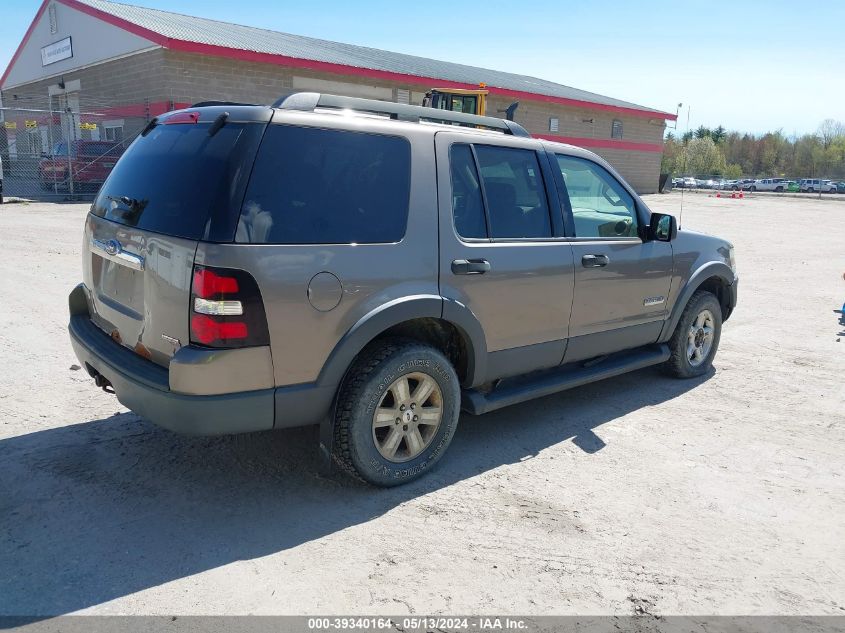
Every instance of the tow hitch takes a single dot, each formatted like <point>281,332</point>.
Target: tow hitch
<point>103,383</point>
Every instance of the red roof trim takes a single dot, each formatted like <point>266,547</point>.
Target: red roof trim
<point>126,25</point>
<point>340,69</point>
<point>606,143</point>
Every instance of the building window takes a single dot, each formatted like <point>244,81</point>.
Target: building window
<point>114,133</point>
<point>616,129</point>
<point>554,124</point>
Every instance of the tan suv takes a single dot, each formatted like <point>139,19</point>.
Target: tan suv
<point>374,268</point>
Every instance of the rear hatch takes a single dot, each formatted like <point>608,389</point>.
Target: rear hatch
<point>180,182</point>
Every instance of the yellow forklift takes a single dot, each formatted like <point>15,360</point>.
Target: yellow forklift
<point>466,100</point>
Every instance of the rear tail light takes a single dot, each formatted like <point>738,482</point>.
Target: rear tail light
<point>226,309</point>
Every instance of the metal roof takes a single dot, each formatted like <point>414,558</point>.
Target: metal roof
<point>198,30</point>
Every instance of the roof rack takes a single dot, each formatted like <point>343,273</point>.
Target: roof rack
<point>310,101</point>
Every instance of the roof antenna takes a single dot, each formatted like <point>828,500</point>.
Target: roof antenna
<point>683,189</point>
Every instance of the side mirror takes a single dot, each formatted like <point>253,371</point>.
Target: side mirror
<point>662,227</point>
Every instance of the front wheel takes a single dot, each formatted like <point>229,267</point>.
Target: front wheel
<point>696,338</point>
<point>397,413</point>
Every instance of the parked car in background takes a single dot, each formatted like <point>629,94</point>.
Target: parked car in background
<point>792,186</point>
<point>744,183</point>
<point>768,184</point>
<point>690,183</point>
<point>840,186</point>
<point>90,162</point>
<point>813,185</point>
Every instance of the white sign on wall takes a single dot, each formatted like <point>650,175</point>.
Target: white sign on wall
<point>56,52</point>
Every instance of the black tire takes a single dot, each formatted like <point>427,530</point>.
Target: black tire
<point>752,189</point>
<point>365,388</point>
<point>779,189</point>
<point>679,364</point>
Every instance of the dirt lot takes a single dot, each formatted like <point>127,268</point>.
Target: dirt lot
<point>720,495</point>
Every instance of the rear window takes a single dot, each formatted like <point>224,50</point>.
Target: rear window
<point>180,181</point>
<point>318,186</point>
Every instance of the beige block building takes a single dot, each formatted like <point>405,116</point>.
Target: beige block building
<point>93,69</point>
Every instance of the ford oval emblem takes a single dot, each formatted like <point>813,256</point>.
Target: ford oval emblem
<point>113,247</point>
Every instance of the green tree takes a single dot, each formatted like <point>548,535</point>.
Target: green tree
<point>718,134</point>
<point>703,158</point>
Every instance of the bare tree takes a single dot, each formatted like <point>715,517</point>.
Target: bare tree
<point>829,130</point>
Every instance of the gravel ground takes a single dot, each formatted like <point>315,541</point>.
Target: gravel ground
<point>639,494</point>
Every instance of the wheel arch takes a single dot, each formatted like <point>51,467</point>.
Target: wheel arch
<point>446,325</point>
<point>715,277</point>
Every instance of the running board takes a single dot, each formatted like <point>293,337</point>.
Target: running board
<point>524,388</point>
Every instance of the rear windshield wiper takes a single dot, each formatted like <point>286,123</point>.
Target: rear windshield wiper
<point>133,207</point>
<point>132,203</point>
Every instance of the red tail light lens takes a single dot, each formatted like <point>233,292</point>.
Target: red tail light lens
<point>214,322</point>
<point>208,284</point>
<point>208,330</point>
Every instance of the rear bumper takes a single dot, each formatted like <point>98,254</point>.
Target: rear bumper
<point>143,386</point>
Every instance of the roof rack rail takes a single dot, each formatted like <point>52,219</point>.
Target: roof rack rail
<point>309,101</point>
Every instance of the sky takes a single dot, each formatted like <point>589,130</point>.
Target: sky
<point>749,65</point>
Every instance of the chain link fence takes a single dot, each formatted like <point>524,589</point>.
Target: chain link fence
<point>62,147</point>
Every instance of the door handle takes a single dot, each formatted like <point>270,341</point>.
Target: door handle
<point>594,261</point>
<point>470,266</point>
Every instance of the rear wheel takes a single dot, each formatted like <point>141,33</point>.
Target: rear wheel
<point>696,338</point>
<point>397,413</point>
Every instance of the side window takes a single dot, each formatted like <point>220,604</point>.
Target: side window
<point>467,205</point>
<point>514,191</point>
<point>600,205</point>
<point>317,186</point>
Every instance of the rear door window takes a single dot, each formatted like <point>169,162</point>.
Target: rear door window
<point>180,181</point>
<point>509,181</point>
<point>320,186</point>
<point>516,196</point>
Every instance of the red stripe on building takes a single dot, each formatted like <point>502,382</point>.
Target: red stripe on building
<point>606,143</point>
